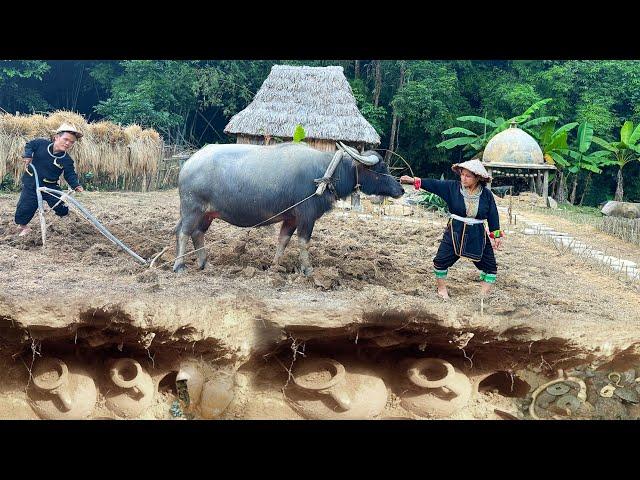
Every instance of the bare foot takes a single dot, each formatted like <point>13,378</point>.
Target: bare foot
<point>24,231</point>
<point>442,292</point>
<point>485,290</point>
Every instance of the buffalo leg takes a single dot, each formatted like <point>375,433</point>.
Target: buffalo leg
<point>178,266</point>
<point>187,226</point>
<point>286,230</point>
<point>197,238</point>
<point>304,237</point>
<point>182,240</point>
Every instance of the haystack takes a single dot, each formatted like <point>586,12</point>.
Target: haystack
<point>104,150</point>
<point>145,147</point>
<point>107,150</point>
<point>55,119</point>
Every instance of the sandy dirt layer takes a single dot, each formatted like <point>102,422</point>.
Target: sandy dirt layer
<point>259,393</point>
<point>263,389</point>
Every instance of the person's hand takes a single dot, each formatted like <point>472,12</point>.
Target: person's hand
<point>496,243</point>
<point>407,179</point>
<point>27,161</point>
<point>79,188</point>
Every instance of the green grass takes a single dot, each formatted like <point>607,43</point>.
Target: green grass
<point>623,228</point>
<point>432,202</point>
<point>580,209</point>
<point>574,213</point>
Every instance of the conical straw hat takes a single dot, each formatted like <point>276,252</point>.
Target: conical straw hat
<point>474,166</point>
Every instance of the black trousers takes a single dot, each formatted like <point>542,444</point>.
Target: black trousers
<point>446,256</point>
<point>28,203</point>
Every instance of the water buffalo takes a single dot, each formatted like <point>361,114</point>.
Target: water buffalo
<point>246,185</point>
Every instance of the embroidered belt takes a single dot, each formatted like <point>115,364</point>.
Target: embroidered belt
<point>467,220</point>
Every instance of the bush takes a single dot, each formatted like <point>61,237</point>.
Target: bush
<point>433,202</point>
<point>7,184</point>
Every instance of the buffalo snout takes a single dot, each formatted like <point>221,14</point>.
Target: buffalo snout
<point>396,189</point>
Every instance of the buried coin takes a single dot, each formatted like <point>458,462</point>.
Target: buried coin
<point>607,391</point>
<point>558,389</point>
<point>570,402</point>
<point>628,395</point>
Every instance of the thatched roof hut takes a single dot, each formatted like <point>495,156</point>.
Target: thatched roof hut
<point>318,98</point>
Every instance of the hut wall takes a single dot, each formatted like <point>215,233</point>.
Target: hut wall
<point>250,139</point>
<point>320,144</point>
<point>317,143</point>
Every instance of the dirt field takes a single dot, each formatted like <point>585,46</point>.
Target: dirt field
<point>371,296</point>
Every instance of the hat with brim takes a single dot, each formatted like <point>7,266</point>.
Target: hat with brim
<point>474,166</point>
<point>67,127</point>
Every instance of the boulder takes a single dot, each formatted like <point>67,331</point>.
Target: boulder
<point>621,209</point>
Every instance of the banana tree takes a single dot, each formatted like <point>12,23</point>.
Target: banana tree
<point>474,143</point>
<point>553,143</point>
<point>624,151</point>
<point>581,160</point>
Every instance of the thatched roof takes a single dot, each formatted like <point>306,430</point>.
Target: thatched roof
<point>318,98</point>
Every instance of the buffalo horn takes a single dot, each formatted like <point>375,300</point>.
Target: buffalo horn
<point>368,160</point>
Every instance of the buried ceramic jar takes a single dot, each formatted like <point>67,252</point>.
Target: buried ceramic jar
<point>326,390</point>
<point>61,393</point>
<point>190,374</point>
<point>434,388</point>
<point>132,388</point>
<point>210,391</point>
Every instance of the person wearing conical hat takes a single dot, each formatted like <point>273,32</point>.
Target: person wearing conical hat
<point>470,204</point>
<point>50,159</point>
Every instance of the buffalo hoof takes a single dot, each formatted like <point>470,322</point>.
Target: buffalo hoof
<point>307,271</point>
<point>180,269</point>
<point>201,267</point>
<point>277,268</point>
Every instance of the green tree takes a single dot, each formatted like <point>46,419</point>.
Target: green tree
<point>474,143</point>
<point>554,145</point>
<point>375,115</point>
<point>553,142</point>
<point>428,101</point>
<point>229,85</point>
<point>152,93</point>
<point>580,159</point>
<point>625,150</point>
<point>599,92</point>
<point>20,85</point>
